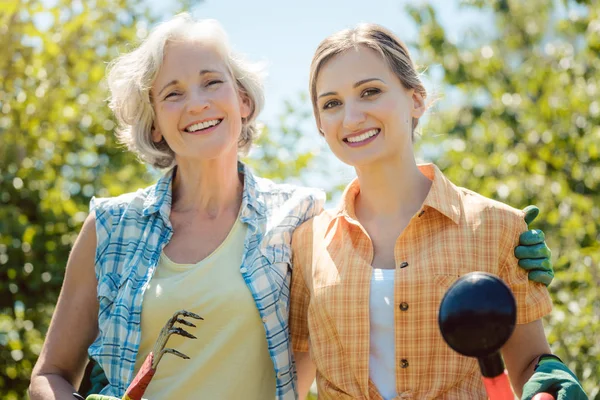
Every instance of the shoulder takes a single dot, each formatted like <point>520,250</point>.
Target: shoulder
<point>300,202</point>
<point>284,191</point>
<point>132,202</point>
<point>480,209</point>
<point>317,225</point>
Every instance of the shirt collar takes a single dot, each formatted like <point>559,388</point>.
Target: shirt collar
<point>159,197</point>
<point>443,195</point>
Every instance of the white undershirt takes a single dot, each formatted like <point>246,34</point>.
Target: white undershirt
<point>382,355</point>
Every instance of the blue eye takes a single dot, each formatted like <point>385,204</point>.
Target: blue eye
<point>171,95</point>
<point>213,82</point>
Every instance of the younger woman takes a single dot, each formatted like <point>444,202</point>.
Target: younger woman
<point>369,275</point>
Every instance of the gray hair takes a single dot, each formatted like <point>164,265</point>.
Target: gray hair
<point>130,77</point>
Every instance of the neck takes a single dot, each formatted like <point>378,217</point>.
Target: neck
<point>390,189</point>
<point>207,188</point>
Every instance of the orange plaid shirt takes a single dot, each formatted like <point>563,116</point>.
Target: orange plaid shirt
<point>457,231</point>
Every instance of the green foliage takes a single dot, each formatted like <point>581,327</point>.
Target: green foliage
<point>283,153</point>
<point>525,129</point>
<point>293,151</point>
<point>57,149</point>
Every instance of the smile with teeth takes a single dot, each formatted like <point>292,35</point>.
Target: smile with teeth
<point>203,125</point>
<point>361,137</point>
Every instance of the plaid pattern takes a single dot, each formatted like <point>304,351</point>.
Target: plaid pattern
<point>132,230</point>
<point>456,231</point>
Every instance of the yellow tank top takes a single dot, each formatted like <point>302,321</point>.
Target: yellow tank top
<point>230,359</point>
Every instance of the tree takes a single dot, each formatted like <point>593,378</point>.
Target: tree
<point>524,129</point>
<point>57,149</point>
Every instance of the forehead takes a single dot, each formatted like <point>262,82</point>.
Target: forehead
<point>181,58</point>
<point>351,66</point>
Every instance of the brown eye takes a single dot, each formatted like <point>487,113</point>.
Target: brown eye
<point>370,92</point>
<point>330,104</point>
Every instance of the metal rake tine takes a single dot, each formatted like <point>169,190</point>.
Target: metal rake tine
<point>186,313</point>
<point>175,353</point>
<point>185,322</point>
<point>181,332</point>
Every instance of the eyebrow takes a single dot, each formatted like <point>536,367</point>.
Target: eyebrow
<point>175,81</point>
<point>357,84</point>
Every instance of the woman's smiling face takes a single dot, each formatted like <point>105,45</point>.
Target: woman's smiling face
<point>364,111</point>
<point>198,106</point>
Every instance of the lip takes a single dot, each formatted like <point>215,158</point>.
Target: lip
<point>364,142</point>
<point>201,121</point>
<point>354,134</point>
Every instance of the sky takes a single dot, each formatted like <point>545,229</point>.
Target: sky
<point>284,34</point>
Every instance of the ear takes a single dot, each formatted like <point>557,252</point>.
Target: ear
<point>245,105</point>
<point>419,106</point>
<point>156,134</point>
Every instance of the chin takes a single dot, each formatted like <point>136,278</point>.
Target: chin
<point>362,160</point>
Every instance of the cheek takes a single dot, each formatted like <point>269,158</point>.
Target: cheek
<point>227,98</point>
<point>329,124</point>
<point>168,109</point>
<point>391,111</point>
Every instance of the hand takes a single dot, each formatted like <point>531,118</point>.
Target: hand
<point>554,377</point>
<point>101,397</point>
<point>533,253</point>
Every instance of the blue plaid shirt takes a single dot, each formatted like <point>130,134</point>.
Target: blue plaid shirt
<point>132,230</point>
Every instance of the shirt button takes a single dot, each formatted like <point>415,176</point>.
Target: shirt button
<point>404,363</point>
<point>243,270</point>
<point>403,306</point>
<point>264,319</point>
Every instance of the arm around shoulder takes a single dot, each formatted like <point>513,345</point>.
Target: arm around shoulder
<point>74,324</point>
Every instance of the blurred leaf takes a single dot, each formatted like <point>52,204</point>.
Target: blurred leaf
<point>57,149</point>
<point>522,127</point>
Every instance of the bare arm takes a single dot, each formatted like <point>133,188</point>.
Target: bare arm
<point>526,344</point>
<point>306,372</point>
<point>74,325</point>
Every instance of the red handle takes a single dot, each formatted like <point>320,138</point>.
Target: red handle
<point>498,387</point>
<point>543,396</point>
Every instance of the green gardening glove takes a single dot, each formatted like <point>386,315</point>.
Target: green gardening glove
<point>532,252</point>
<point>101,397</point>
<point>97,379</point>
<point>552,376</point>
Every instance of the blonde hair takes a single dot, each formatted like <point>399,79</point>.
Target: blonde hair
<point>375,37</point>
<point>130,77</point>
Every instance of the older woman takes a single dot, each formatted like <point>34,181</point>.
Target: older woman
<point>209,237</point>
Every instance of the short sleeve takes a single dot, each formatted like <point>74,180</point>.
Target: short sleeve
<point>300,294</point>
<point>532,298</point>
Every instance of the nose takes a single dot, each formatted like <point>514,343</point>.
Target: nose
<point>198,101</point>
<point>354,116</point>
